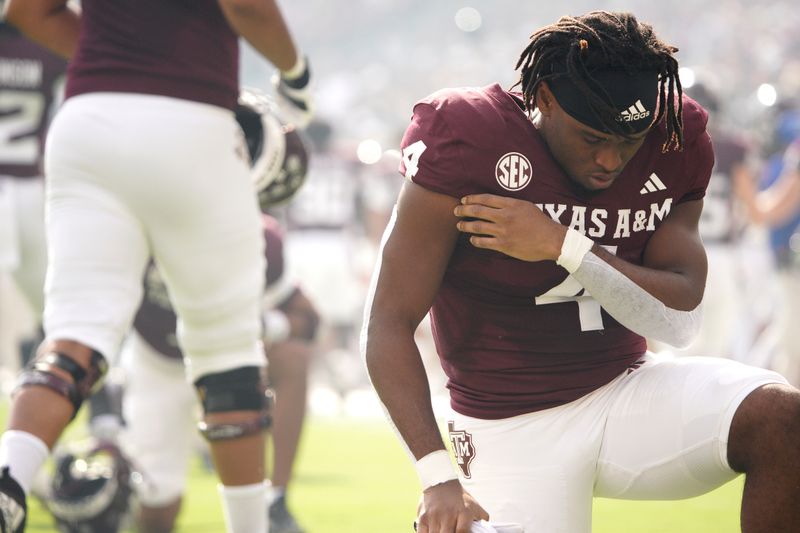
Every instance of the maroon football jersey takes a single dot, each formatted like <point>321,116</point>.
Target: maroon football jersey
<point>30,84</point>
<point>722,222</point>
<point>516,336</point>
<point>155,320</point>
<point>179,48</point>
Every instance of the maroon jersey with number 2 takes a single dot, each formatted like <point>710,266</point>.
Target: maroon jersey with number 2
<point>514,336</point>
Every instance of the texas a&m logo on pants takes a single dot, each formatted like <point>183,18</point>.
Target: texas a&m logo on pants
<point>463,448</point>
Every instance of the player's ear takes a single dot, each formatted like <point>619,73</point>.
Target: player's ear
<point>545,101</point>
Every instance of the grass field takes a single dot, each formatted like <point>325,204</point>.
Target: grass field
<point>353,477</point>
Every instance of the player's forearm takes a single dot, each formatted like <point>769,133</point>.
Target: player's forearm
<point>53,24</point>
<point>634,307</point>
<point>261,23</point>
<point>399,377</point>
<point>674,288</point>
<point>778,204</point>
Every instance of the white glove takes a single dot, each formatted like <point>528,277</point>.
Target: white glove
<point>488,527</point>
<point>293,93</point>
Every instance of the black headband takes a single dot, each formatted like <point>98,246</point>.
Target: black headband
<point>633,94</point>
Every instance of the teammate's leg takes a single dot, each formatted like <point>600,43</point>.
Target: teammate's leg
<point>97,253</point>
<point>158,409</point>
<point>289,363</point>
<point>213,265</point>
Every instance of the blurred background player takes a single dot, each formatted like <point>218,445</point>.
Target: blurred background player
<point>156,425</point>
<point>159,404</point>
<point>774,202</point>
<point>188,203</point>
<point>326,220</point>
<point>31,87</point>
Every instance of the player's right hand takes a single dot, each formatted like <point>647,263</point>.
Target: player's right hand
<point>512,226</point>
<point>294,96</point>
<point>448,508</point>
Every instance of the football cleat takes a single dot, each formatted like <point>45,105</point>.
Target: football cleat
<point>280,519</point>
<point>13,509</point>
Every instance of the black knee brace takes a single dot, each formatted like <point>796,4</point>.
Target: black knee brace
<point>84,380</point>
<point>241,389</point>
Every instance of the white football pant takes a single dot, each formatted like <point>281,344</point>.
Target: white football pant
<point>658,432</point>
<point>133,175</point>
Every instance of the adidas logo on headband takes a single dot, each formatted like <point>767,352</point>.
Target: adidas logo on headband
<point>635,112</point>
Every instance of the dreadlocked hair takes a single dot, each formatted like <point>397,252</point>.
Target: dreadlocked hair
<point>577,46</point>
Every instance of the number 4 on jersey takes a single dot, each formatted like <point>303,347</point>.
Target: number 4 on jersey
<point>569,290</point>
<point>411,155</point>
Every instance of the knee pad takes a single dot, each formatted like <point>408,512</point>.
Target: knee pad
<point>241,389</point>
<point>84,380</point>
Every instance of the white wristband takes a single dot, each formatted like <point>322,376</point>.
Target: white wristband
<point>576,245</point>
<point>435,469</point>
<point>297,70</point>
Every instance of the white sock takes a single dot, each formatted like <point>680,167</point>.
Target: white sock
<point>24,454</point>
<point>245,508</point>
<point>277,492</point>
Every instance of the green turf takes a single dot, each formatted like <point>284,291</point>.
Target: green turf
<point>353,477</point>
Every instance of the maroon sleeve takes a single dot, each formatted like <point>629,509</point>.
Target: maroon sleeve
<point>430,151</point>
<point>698,151</point>
<point>432,155</point>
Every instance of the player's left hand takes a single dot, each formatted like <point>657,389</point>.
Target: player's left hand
<point>515,227</point>
<point>294,96</point>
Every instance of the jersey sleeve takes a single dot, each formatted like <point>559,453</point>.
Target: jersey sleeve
<point>698,152</point>
<point>432,154</point>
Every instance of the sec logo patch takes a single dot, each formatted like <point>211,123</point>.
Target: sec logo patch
<point>513,171</point>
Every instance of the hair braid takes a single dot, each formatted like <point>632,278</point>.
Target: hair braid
<point>577,46</point>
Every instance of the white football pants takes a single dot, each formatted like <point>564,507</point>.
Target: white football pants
<point>659,432</point>
<point>133,175</point>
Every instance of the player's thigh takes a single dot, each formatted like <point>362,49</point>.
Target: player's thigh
<point>208,244</point>
<point>159,409</point>
<point>536,469</point>
<point>97,249</point>
<point>667,431</point>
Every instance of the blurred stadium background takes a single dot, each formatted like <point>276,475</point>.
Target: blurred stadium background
<point>372,59</point>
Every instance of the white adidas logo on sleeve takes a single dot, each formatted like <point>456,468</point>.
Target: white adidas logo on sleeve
<point>653,184</point>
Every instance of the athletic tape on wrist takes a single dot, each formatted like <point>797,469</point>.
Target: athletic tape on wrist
<point>435,469</point>
<point>576,245</point>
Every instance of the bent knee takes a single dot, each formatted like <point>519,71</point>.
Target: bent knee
<point>766,427</point>
<point>236,403</point>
